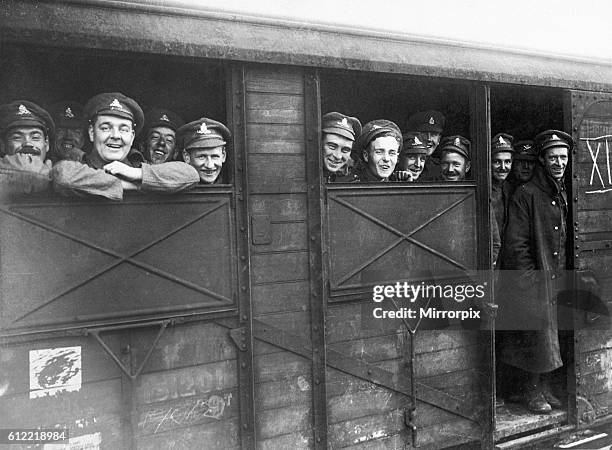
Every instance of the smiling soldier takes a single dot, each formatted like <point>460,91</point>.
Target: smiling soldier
<point>70,134</point>
<point>203,144</point>
<point>455,158</point>
<point>535,248</point>
<point>379,145</point>
<point>113,166</point>
<point>412,160</point>
<point>160,135</point>
<point>502,152</point>
<point>27,132</point>
<point>338,134</point>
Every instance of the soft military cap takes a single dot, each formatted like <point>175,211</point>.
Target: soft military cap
<point>502,142</point>
<point>22,113</point>
<point>429,120</point>
<point>375,128</point>
<point>553,138</point>
<point>337,123</point>
<point>202,133</point>
<point>68,114</point>
<point>114,104</point>
<point>160,117</point>
<point>456,144</point>
<point>525,150</point>
<point>414,145</point>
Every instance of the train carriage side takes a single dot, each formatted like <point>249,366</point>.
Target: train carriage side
<point>244,318</point>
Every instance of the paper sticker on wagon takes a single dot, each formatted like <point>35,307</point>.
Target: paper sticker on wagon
<point>55,370</point>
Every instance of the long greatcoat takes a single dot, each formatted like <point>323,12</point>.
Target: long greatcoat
<point>534,262</point>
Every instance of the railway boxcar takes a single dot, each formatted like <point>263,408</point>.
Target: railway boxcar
<point>239,315</point>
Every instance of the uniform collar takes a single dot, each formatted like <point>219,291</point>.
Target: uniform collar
<point>547,183</point>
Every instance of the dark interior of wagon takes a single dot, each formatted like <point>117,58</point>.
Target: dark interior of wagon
<point>524,112</point>
<point>192,88</point>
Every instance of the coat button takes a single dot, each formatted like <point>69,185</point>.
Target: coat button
<point>553,276</point>
<point>556,228</point>
<point>553,203</point>
<point>555,253</point>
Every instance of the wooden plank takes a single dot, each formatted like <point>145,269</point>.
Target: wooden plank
<point>285,236</point>
<point>186,412</point>
<point>276,422</point>
<point>280,366</point>
<point>185,382</point>
<point>444,361</point>
<point>275,108</point>
<point>302,439</point>
<point>96,365</point>
<point>446,434</point>
<point>393,442</point>
<point>263,169</point>
<point>363,429</point>
<point>594,383</point>
<point>288,207</point>
<point>295,323</point>
<point>273,267</point>
<point>362,403</point>
<point>262,132</point>
<point>291,390</point>
<point>277,79</point>
<point>183,345</point>
<point>216,435</point>
<point>269,147</point>
<point>595,361</point>
<point>291,296</point>
<point>595,221</point>
<point>591,340</point>
<point>94,399</point>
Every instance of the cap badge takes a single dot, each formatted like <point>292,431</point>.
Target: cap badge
<point>204,129</point>
<point>431,121</point>
<point>376,127</point>
<point>457,142</point>
<point>116,105</point>
<point>68,113</point>
<point>23,111</point>
<point>527,146</point>
<point>164,118</point>
<point>417,141</point>
<point>554,136</point>
<point>501,140</point>
<point>344,123</point>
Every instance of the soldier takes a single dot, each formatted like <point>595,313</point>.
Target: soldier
<point>27,132</point>
<point>70,135</point>
<point>379,144</point>
<point>455,158</point>
<point>412,159</point>
<point>429,124</point>
<point>523,164</point>
<point>534,251</point>
<point>203,144</point>
<point>160,135</point>
<point>113,166</point>
<point>501,165</point>
<point>338,134</point>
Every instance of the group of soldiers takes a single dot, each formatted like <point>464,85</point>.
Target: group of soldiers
<point>40,149</point>
<point>528,224</point>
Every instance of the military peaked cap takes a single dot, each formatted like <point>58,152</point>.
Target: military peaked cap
<point>68,114</point>
<point>502,142</point>
<point>202,133</point>
<point>22,113</point>
<point>414,145</point>
<point>525,150</point>
<point>114,104</point>
<point>456,144</point>
<point>553,138</point>
<point>429,120</point>
<point>374,129</point>
<point>342,125</point>
<point>160,117</point>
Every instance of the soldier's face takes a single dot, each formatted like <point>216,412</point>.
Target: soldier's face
<point>454,166</point>
<point>413,163</point>
<point>27,140</point>
<point>432,139</point>
<point>381,156</point>
<point>160,144</point>
<point>68,139</point>
<point>501,164</point>
<point>555,161</point>
<point>336,151</point>
<point>112,137</point>
<point>207,161</point>
<point>523,169</point>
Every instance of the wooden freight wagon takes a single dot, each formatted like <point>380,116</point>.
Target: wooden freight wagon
<point>239,315</point>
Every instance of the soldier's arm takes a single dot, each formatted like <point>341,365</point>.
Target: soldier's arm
<point>22,174</point>
<point>170,177</point>
<point>74,178</point>
<point>517,252</point>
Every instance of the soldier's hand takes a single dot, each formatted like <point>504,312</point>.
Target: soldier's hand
<point>124,171</point>
<point>404,175</point>
<point>30,163</point>
<point>128,186</point>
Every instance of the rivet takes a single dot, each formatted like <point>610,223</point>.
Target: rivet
<point>243,365</point>
<point>243,258</point>
<point>242,229</point>
<point>243,288</point>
